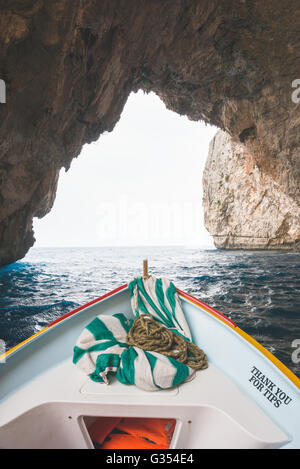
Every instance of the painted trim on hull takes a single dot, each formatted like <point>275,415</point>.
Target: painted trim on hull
<point>221,317</point>
<point>62,318</point>
<point>4,355</point>
<point>284,369</point>
<point>80,308</point>
<point>207,308</point>
<point>270,356</point>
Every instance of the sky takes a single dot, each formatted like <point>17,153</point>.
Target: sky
<point>139,185</point>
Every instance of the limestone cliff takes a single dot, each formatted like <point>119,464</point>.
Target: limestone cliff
<point>244,207</point>
<point>69,66</point>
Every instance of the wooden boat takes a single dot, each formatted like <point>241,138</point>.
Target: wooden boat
<point>246,398</point>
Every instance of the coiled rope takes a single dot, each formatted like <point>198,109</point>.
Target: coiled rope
<point>149,335</point>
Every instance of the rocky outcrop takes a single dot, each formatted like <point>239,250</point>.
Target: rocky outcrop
<point>70,65</point>
<point>244,207</point>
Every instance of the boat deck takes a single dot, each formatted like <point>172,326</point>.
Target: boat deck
<point>211,411</point>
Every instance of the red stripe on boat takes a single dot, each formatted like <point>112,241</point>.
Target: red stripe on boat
<point>209,308</point>
<point>86,305</point>
<point>122,287</point>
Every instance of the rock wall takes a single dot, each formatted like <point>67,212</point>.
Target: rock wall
<point>69,66</point>
<point>244,208</point>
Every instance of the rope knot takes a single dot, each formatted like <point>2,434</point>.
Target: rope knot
<point>149,335</point>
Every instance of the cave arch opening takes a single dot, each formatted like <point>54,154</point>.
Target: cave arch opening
<point>139,185</point>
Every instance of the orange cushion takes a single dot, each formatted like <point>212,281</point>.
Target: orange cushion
<point>159,431</point>
<point>102,427</point>
<point>121,441</point>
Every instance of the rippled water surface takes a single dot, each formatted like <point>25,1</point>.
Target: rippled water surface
<point>260,291</point>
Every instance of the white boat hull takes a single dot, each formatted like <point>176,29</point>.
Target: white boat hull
<point>46,402</point>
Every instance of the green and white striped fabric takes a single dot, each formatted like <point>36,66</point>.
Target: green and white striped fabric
<point>102,350</point>
<point>159,297</point>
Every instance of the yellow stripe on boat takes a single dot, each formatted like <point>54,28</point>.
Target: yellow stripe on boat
<point>270,356</point>
<point>4,355</point>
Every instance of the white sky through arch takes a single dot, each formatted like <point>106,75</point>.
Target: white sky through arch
<point>140,184</point>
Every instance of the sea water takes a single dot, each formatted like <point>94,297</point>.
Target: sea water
<point>259,291</point>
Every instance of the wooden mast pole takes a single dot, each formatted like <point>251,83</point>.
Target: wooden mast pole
<point>145,269</point>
